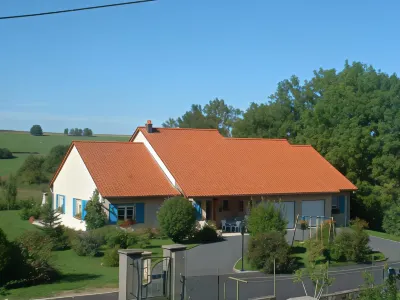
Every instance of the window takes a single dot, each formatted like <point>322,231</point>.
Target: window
<point>225,205</point>
<point>78,207</point>
<point>126,212</point>
<point>335,202</point>
<point>60,202</point>
<point>241,205</point>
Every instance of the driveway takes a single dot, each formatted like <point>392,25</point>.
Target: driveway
<point>390,249</point>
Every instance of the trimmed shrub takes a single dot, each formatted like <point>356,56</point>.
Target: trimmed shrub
<point>117,238</point>
<point>95,215</point>
<point>177,218</point>
<point>5,153</point>
<point>207,234</point>
<point>30,208</point>
<point>265,217</point>
<point>86,244</point>
<point>391,220</point>
<point>264,247</point>
<point>351,246</point>
<point>111,258</point>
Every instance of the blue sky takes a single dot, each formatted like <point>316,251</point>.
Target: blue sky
<point>112,69</point>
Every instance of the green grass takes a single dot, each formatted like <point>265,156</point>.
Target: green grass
<point>300,253</point>
<point>24,142</point>
<point>383,235</point>
<point>12,225</point>
<point>79,273</point>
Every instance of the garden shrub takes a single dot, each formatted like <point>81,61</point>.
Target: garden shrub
<point>119,238</point>
<point>177,218</point>
<point>86,244</point>
<point>207,234</point>
<point>5,259</point>
<point>153,233</point>
<point>132,238</point>
<point>265,217</point>
<point>351,246</point>
<point>30,208</point>
<point>315,250</point>
<point>70,235</point>
<point>102,233</point>
<point>59,239</point>
<point>391,220</point>
<point>95,215</point>
<point>111,258</point>
<point>339,249</point>
<point>264,247</point>
<point>143,240</point>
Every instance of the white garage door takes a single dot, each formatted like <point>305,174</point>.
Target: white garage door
<point>313,208</point>
<point>288,207</point>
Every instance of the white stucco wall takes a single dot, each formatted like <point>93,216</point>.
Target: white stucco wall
<point>73,181</point>
<point>140,138</point>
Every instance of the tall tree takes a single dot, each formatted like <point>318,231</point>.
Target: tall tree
<point>216,114</point>
<point>36,130</point>
<point>54,158</point>
<point>66,131</point>
<point>351,118</point>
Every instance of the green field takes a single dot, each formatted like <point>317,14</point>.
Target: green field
<point>79,273</point>
<point>22,144</point>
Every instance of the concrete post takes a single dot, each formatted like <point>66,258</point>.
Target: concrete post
<point>130,274</point>
<point>176,253</point>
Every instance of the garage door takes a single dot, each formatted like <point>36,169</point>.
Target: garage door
<point>313,208</point>
<point>288,210</point>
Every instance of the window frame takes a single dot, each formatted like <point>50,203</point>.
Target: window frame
<point>78,203</point>
<point>125,208</point>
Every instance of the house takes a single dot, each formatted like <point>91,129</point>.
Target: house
<point>222,176</point>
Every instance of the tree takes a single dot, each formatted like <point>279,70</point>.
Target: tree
<point>5,153</point>
<point>10,191</point>
<point>215,115</point>
<point>95,215</point>
<point>36,130</point>
<point>351,118</point>
<point>170,123</point>
<point>266,217</point>
<point>80,132</point>
<point>72,131</point>
<point>50,217</point>
<point>177,218</point>
<point>31,170</point>
<point>87,132</point>
<point>54,158</point>
<point>391,220</point>
<point>66,131</point>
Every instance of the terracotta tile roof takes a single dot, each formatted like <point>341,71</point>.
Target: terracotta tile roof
<point>122,169</point>
<point>206,164</point>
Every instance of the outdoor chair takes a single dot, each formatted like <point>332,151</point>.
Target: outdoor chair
<point>224,226</point>
<point>236,227</point>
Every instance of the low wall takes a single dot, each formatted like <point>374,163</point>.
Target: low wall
<point>342,295</point>
<point>264,298</point>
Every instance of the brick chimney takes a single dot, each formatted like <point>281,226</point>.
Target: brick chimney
<point>149,126</point>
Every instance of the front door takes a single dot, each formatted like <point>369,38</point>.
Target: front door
<point>209,215</point>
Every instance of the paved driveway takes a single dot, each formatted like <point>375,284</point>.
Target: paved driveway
<point>391,249</point>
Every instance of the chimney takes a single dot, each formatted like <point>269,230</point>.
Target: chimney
<point>149,126</point>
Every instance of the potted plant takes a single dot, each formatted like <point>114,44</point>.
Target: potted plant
<point>78,216</point>
<point>126,223</point>
<point>303,226</point>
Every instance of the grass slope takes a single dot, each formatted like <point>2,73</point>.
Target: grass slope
<point>21,144</point>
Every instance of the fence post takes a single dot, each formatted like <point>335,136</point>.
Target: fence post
<point>176,253</point>
<point>130,274</point>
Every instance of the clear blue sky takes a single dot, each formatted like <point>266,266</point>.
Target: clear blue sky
<point>112,69</point>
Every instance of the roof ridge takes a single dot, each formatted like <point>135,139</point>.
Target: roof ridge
<point>261,139</point>
<point>99,142</point>
<point>179,128</point>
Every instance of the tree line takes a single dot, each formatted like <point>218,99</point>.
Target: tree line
<point>350,116</point>
<point>78,132</point>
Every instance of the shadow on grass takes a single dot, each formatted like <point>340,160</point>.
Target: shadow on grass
<point>76,277</point>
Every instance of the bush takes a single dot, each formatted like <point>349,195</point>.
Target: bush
<point>143,240</point>
<point>5,153</point>
<point>102,233</point>
<point>30,209</point>
<point>111,258</point>
<point>117,238</point>
<point>315,250</point>
<point>265,217</point>
<point>153,233</point>
<point>58,237</point>
<point>207,234</point>
<point>31,170</point>
<point>391,220</point>
<point>177,218</point>
<point>351,246</point>
<point>86,244</point>
<point>70,235</point>
<point>5,259</point>
<point>132,238</point>
<point>264,247</point>
<point>95,215</point>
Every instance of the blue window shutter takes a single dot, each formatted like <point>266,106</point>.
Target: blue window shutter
<point>73,206</point>
<point>113,214</point>
<point>139,212</point>
<point>84,202</point>
<point>56,202</point>
<point>63,205</point>
<point>197,207</point>
<point>342,204</point>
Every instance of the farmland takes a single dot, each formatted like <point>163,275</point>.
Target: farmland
<point>22,144</point>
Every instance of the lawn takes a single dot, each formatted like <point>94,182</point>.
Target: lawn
<point>383,235</point>
<point>300,253</point>
<point>79,273</point>
<point>22,144</point>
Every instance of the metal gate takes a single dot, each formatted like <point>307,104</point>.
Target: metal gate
<point>156,281</point>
